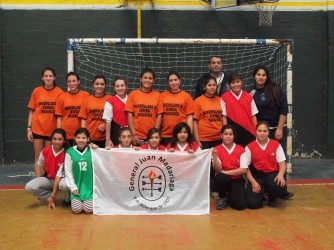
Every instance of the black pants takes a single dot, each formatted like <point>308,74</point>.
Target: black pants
<point>267,183</point>
<point>233,188</point>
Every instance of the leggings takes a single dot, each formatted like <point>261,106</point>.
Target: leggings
<point>79,206</point>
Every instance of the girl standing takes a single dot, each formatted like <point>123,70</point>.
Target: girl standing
<point>114,113</point>
<point>266,172</point>
<point>230,165</point>
<point>141,107</point>
<point>174,106</point>
<point>208,118</point>
<point>239,110</point>
<point>41,118</point>
<point>182,139</point>
<point>49,168</point>
<point>92,110</point>
<point>79,173</point>
<point>68,106</point>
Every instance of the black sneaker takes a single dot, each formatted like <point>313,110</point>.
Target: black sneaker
<point>66,203</point>
<point>221,204</point>
<point>286,195</point>
<point>272,203</point>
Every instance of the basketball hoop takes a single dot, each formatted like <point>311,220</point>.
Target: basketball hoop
<point>266,9</point>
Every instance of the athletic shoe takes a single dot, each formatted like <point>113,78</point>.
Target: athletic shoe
<point>272,202</point>
<point>286,195</point>
<point>215,195</point>
<point>221,204</point>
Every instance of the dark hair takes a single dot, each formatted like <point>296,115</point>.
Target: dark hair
<point>215,57</point>
<point>100,77</point>
<point>147,70</point>
<point>121,130</point>
<point>205,82</point>
<point>234,76</point>
<point>63,134</point>
<point>262,123</point>
<point>53,73</point>
<point>82,131</point>
<point>227,126</point>
<point>271,89</point>
<point>177,130</point>
<point>73,74</point>
<point>173,73</point>
<point>152,131</point>
<point>120,78</point>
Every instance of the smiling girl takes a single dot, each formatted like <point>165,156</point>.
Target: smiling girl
<point>174,106</point>
<point>92,110</point>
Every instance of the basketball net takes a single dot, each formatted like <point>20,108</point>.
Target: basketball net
<point>266,11</point>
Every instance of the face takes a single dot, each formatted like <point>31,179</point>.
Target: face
<point>81,140</point>
<point>57,141</point>
<point>147,81</point>
<point>174,83</point>
<point>211,88</point>
<point>48,78</point>
<point>235,86</point>
<point>227,136</point>
<point>99,87</point>
<point>260,78</point>
<point>215,65</point>
<point>262,133</point>
<point>182,136</point>
<point>154,141</point>
<point>72,84</point>
<point>125,139</point>
<point>120,88</point>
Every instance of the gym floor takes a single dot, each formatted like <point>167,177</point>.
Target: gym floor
<point>304,222</point>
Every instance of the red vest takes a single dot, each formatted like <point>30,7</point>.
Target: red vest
<point>264,160</point>
<point>119,115</point>
<point>240,111</point>
<point>52,162</point>
<point>230,161</point>
<point>160,147</point>
<point>194,146</point>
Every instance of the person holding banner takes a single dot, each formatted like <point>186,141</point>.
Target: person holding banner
<point>153,141</point>
<point>79,173</point>
<point>266,160</point>
<point>230,164</point>
<point>124,138</point>
<point>141,107</point>
<point>183,140</point>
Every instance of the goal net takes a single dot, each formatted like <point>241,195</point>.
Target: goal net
<point>190,57</point>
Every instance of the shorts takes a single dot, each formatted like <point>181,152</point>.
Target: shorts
<point>36,136</point>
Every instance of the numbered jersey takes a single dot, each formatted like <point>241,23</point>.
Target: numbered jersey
<point>82,171</point>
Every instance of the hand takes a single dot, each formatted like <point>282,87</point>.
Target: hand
<point>279,134</point>
<point>135,140</point>
<point>214,152</point>
<point>136,148</point>
<point>109,143</point>
<point>102,127</point>
<point>280,180</point>
<point>29,135</point>
<point>191,151</point>
<point>51,202</point>
<point>171,150</point>
<point>75,192</point>
<point>256,187</point>
<point>93,146</point>
<point>200,145</point>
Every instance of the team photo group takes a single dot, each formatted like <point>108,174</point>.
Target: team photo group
<point>245,132</point>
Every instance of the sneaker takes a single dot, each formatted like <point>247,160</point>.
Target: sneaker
<point>66,203</point>
<point>272,203</point>
<point>286,195</point>
<point>221,204</point>
<point>215,195</point>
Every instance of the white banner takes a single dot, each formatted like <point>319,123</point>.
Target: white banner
<point>148,182</point>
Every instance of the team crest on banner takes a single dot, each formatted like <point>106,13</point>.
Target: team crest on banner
<point>142,182</point>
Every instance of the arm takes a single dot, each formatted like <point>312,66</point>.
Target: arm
<point>280,126</point>
<point>69,175</point>
<point>39,167</point>
<point>280,176</point>
<point>108,140</point>
<point>195,132</point>
<point>52,198</point>
<point>224,120</point>
<point>216,161</point>
<point>158,122</point>
<point>29,131</point>
<point>255,186</point>
<point>237,171</point>
<point>254,120</point>
<point>135,139</point>
<point>59,121</point>
<point>83,123</point>
<point>190,122</point>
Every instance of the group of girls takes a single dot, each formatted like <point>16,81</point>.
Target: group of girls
<point>129,120</point>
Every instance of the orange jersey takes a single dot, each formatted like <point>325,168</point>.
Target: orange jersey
<point>174,109</point>
<point>68,106</point>
<point>92,111</point>
<point>208,113</point>
<point>144,108</point>
<point>42,103</point>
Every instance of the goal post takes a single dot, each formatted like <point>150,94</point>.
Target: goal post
<point>127,57</point>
